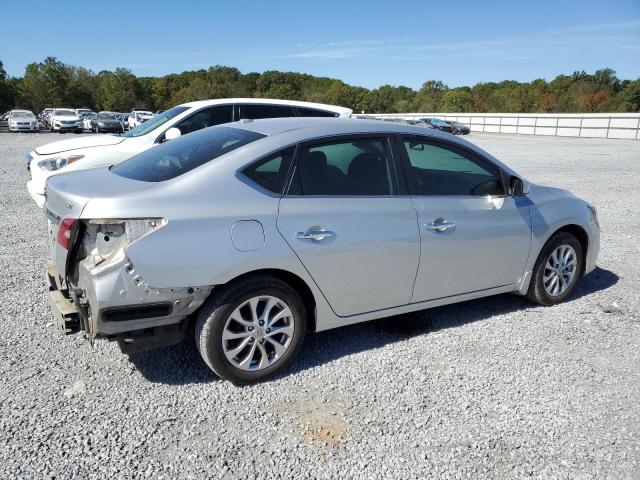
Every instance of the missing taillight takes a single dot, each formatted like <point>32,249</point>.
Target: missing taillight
<point>65,229</point>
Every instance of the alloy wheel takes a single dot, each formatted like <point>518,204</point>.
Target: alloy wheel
<point>258,333</point>
<point>560,270</point>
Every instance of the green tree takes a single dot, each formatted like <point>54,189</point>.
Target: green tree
<point>119,91</point>
<point>429,97</point>
<point>629,97</point>
<point>458,100</point>
<point>7,91</point>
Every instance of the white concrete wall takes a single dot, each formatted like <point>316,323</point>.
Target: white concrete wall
<point>599,125</point>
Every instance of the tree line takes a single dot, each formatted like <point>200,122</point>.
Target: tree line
<point>52,83</point>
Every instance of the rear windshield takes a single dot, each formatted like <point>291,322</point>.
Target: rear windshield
<point>175,157</point>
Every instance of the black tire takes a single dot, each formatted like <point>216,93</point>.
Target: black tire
<point>211,319</point>
<point>537,292</point>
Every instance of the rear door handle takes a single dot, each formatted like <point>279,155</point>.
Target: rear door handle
<point>439,225</point>
<point>315,234</point>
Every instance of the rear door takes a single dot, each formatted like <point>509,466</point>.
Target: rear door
<point>345,219</point>
<point>256,111</point>
<point>473,236</point>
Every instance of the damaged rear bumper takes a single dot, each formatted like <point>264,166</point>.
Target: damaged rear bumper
<point>64,311</point>
<point>112,301</point>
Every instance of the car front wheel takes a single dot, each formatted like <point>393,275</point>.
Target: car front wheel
<point>251,329</point>
<point>557,270</point>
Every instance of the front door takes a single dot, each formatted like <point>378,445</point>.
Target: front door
<point>354,234</point>
<point>473,236</point>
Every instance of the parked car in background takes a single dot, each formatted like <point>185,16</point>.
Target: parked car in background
<point>5,116</point>
<point>45,116</point>
<point>123,119</point>
<point>87,120</point>
<point>158,112</point>
<point>458,128</point>
<point>65,120</point>
<point>438,124</point>
<point>22,121</point>
<point>94,151</point>
<point>420,123</point>
<point>106,122</point>
<point>138,117</point>
<point>82,111</point>
<point>322,234</point>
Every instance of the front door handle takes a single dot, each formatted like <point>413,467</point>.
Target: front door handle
<point>439,225</point>
<point>316,234</point>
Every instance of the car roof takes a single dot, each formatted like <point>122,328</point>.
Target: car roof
<point>321,126</point>
<point>287,131</point>
<point>270,101</point>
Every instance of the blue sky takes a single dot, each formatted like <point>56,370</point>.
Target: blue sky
<point>368,43</point>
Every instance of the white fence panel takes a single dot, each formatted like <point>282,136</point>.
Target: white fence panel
<point>597,125</point>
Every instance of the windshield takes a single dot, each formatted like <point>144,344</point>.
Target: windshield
<point>106,116</point>
<point>173,158</point>
<point>155,122</point>
<point>65,113</point>
<point>22,115</point>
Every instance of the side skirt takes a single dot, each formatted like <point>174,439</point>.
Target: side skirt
<point>412,307</point>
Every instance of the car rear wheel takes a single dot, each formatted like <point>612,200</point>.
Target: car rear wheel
<point>557,270</point>
<point>251,329</point>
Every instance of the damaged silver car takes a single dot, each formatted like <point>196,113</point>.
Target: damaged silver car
<point>250,234</point>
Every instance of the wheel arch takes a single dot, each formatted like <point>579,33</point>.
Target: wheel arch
<point>582,236</point>
<point>295,282</point>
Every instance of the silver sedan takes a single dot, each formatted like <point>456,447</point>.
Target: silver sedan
<point>259,231</point>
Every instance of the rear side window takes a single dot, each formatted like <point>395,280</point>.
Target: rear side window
<point>257,111</point>
<point>313,112</point>
<point>171,159</point>
<point>446,170</point>
<point>352,168</point>
<point>271,173</point>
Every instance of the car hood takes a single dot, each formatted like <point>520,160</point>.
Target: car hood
<point>78,143</point>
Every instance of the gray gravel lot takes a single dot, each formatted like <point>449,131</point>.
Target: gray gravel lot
<point>493,388</point>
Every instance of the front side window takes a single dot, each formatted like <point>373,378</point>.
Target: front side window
<point>446,170</point>
<point>155,122</point>
<point>171,159</point>
<point>206,118</point>
<point>352,168</point>
<point>271,173</point>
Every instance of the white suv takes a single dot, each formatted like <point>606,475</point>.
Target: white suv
<point>138,117</point>
<point>65,120</point>
<point>94,151</point>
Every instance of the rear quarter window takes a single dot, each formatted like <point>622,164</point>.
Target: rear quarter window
<point>271,172</point>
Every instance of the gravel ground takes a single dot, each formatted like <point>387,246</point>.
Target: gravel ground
<point>493,388</point>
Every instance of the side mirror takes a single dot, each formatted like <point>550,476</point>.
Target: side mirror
<point>172,134</point>
<point>518,186</point>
